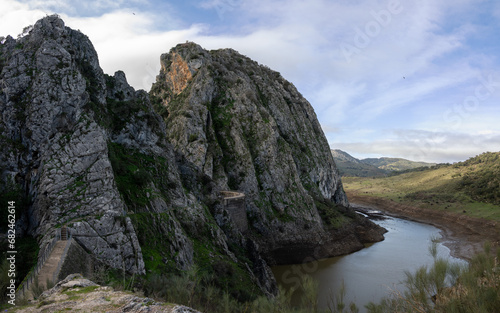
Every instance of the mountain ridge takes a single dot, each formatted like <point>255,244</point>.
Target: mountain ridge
<point>396,164</point>
<point>136,177</point>
<point>376,167</point>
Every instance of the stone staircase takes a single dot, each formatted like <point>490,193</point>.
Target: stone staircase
<point>49,266</point>
<point>64,233</point>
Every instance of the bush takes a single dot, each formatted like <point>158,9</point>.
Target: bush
<point>448,287</point>
<point>194,288</point>
<point>482,178</point>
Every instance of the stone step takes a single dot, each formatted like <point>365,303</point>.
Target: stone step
<point>50,266</point>
<point>64,233</point>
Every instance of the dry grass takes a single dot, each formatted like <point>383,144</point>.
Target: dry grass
<point>438,189</point>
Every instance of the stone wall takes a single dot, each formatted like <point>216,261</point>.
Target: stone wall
<point>234,202</point>
<point>76,260</point>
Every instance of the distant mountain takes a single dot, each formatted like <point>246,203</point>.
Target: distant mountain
<point>339,155</point>
<point>350,166</point>
<point>395,164</point>
<point>471,186</point>
<point>372,167</point>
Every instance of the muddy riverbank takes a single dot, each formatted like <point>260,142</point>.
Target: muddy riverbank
<point>463,235</point>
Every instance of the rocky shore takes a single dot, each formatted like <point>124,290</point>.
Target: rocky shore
<point>463,235</point>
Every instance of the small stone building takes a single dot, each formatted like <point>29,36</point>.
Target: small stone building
<point>234,202</point>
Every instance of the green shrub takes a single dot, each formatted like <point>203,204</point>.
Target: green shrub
<point>193,137</point>
<point>448,287</point>
<point>482,178</point>
<point>195,289</point>
<point>134,171</point>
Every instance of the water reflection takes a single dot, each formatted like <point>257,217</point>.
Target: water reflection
<point>374,272</point>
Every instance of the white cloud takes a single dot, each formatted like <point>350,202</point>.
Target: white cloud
<point>14,16</point>
<point>417,145</point>
<point>303,41</point>
<point>83,8</point>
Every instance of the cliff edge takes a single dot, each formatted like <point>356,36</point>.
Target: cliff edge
<point>136,178</point>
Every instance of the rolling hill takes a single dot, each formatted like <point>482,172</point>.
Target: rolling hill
<point>373,167</point>
<point>395,164</point>
<point>350,166</point>
<point>471,187</point>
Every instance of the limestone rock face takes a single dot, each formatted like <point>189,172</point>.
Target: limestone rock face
<point>85,150</point>
<point>136,177</point>
<point>249,129</point>
<point>54,147</point>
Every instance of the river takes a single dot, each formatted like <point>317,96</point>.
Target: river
<point>371,273</point>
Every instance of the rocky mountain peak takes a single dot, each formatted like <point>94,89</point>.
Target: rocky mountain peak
<point>51,26</point>
<point>237,122</point>
<point>52,91</point>
<point>232,96</point>
<point>136,177</point>
<point>179,66</point>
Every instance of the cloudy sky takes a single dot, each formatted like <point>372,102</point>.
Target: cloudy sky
<point>418,79</point>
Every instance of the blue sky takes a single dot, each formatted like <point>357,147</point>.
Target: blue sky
<point>418,79</point>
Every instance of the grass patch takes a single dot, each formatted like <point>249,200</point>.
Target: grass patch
<point>45,302</point>
<point>74,298</point>
<point>155,243</point>
<point>134,171</point>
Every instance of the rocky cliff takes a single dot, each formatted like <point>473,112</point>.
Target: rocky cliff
<point>54,147</point>
<point>136,177</point>
<point>247,128</point>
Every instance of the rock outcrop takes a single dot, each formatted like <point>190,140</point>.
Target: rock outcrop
<point>54,147</point>
<point>248,129</point>
<point>136,177</point>
<point>76,293</point>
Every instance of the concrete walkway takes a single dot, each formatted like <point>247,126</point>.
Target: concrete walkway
<point>50,266</point>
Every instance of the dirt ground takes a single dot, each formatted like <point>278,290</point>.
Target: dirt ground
<point>463,235</point>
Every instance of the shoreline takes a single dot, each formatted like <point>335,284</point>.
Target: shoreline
<point>463,235</point>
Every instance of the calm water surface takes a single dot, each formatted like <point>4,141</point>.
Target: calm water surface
<point>373,272</point>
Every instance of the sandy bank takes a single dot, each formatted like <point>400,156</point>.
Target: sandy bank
<point>463,235</point>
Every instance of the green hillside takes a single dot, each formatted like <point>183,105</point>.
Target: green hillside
<point>471,187</point>
<point>481,179</point>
